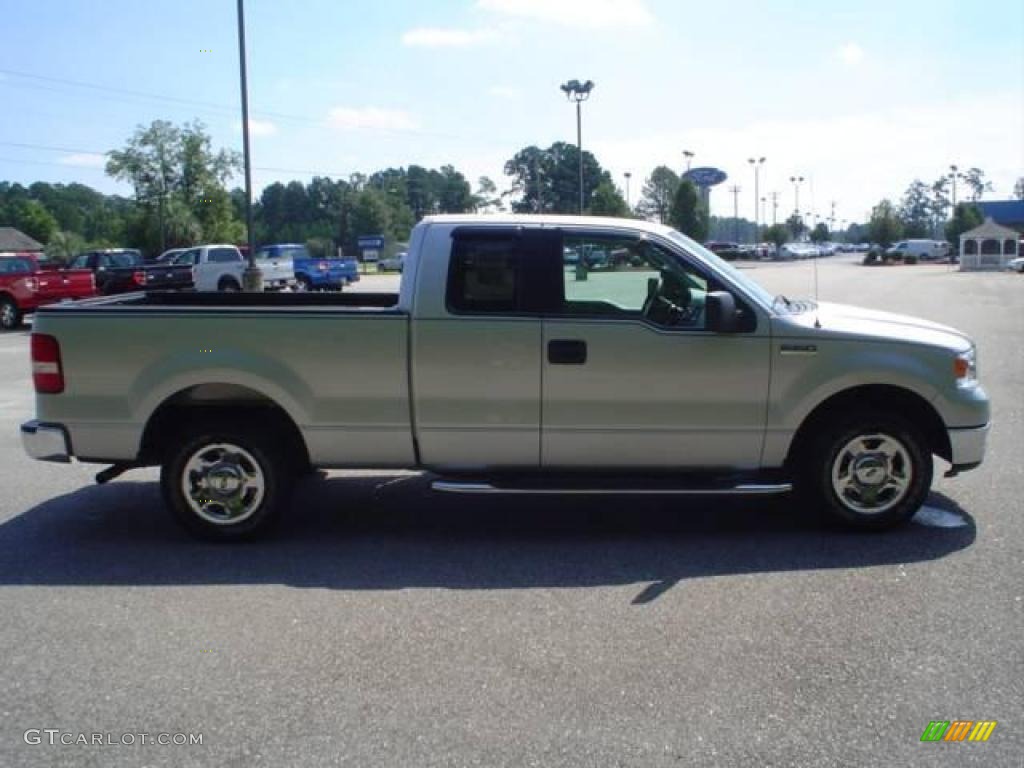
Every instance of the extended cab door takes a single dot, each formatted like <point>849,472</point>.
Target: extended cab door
<point>476,353</point>
<point>632,377</point>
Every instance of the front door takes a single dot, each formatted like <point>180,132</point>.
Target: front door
<point>632,377</point>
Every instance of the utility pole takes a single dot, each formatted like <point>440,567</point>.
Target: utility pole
<point>578,92</point>
<point>252,276</point>
<point>735,212</point>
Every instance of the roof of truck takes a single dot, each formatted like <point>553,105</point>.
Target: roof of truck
<point>544,220</point>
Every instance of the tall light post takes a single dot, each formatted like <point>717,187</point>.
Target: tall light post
<point>252,276</point>
<point>764,209</point>
<point>578,92</point>
<point>689,158</point>
<point>775,208</point>
<point>628,176</point>
<point>954,174</point>
<point>797,181</point>
<point>735,212</point>
<point>756,163</point>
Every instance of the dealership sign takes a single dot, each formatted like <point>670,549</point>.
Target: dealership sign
<point>705,177</point>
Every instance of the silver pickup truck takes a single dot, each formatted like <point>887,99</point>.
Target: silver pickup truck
<point>522,355</point>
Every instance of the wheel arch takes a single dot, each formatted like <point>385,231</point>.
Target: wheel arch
<point>182,410</point>
<point>886,397</point>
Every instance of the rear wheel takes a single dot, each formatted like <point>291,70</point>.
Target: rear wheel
<point>228,286</point>
<point>303,283</point>
<point>870,470</point>
<point>10,315</point>
<point>226,481</point>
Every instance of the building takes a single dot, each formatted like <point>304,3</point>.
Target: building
<point>17,241</point>
<point>988,246</point>
<point>1008,213</point>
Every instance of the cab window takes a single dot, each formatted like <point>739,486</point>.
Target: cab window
<point>631,278</point>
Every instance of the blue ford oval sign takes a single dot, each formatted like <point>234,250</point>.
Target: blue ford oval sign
<point>705,177</point>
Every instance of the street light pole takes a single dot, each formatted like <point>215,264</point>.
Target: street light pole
<point>689,158</point>
<point>735,212</point>
<point>628,176</point>
<point>757,193</point>
<point>252,276</point>
<point>797,181</point>
<point>578,92</point>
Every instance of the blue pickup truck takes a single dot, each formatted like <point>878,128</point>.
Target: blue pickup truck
<point>313,274</point>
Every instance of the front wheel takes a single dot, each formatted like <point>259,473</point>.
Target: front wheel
<point>870,471</point>
<point>226,482</point>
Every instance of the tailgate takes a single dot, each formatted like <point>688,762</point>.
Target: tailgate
<point>54,285</point>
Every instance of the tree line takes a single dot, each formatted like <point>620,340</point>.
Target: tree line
<point>181,197</point>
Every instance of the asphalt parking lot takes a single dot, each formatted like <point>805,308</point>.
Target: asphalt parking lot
<point>387,625</point>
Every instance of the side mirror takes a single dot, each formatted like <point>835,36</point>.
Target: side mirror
<point>720,307</point>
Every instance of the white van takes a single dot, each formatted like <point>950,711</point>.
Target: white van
<point>924,250</point>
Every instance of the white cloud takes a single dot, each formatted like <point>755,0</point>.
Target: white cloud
<point>505,91</point>
<point>258,127</point>
<point>595,14</point>
<point>355,118</point>
<point>436,37</point>
<point>84,160</point>
<point>850,53</point>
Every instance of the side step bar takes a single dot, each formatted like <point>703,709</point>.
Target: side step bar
<point>742,489</point>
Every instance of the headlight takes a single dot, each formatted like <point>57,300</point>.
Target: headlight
<point>965,368</point>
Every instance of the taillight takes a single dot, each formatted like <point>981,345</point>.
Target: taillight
<point>47,374</point>
<point>139,278</point>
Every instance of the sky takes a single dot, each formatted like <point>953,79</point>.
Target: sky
<point>859,98</point>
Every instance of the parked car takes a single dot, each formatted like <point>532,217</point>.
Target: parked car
<point>392,263</point>
<point>118,270</point>
<point>1017,264</point>
<point>213,267</point>
<point>314,273</point>
<point>27,283</point>
<point>725,250</point>
<point>492,370</point>
<point>922,250</point>
<point>168,256</point>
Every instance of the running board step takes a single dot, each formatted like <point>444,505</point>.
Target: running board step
<point>740,489</point>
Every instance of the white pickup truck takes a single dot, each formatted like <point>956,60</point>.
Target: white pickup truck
<point>220,268</point>
<point>506,364</point>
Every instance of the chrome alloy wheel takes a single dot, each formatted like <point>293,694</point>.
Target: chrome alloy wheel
<point>223,483</point>
<point>872,473</point>
<point>8,314</point>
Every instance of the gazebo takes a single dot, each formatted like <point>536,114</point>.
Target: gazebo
<point>988,246</point>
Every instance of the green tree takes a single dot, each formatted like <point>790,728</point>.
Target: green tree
<point>974,178</point>
<point>487,197</point>
<point>32,218</point>
<point>687,214</point>
<point>1018,188</point>
<point>820,233</point>
<point>606,201</point>
<point>884,226</point>
<point>778,234</point>
<point>966,216</point>
<point>917,210</point>
<point>796,226</point>
<point>658,194</point>
<point>370,216</point>
<point>63,246</point>
<point>547,180</point>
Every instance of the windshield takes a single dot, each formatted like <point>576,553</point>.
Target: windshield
<point>125,259</point>
<point>723,267</point>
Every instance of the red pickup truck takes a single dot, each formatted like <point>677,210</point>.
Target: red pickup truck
<point>27,283</point>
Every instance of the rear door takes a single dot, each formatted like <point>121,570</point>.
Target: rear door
<point>632,377</point>
<point>476,360</point>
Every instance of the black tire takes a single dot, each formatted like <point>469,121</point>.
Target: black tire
<point>10,315</point>
<point>303,283</point>
<point>882,460</point>
<point>227,450</point>
<point>228,286</point>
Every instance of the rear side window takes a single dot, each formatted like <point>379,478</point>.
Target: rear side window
<point>225,254</point>
<point>484,275</point>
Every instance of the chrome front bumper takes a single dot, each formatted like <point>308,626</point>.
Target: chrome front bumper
<point>46,442</point>
<point>968,446</point>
